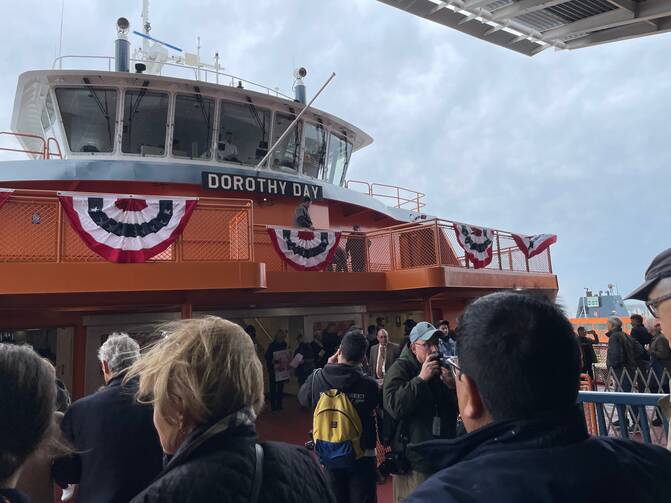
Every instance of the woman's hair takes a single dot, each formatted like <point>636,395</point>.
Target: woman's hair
<point>203,368</point>
<point>28,395</point>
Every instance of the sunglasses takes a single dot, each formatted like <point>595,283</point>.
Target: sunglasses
<point>654,304</point>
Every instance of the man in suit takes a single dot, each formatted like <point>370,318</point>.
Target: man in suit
<point>382,355</point>
<point>118,453</point>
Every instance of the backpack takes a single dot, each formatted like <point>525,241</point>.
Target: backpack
<point>336,430</point>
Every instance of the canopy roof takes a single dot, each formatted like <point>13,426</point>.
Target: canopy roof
<point>531,26</point>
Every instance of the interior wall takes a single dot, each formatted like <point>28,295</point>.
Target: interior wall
<point>394,321</point>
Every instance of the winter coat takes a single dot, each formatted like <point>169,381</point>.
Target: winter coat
<point>302,217</point>
<point>219,468</point>
<point>361,390</point>
<point>310,352</point>
<point>661,352</point>
<point>270,361</point>
<point>119,451</point>
<point>641,334</point>
<point>414,403</point>
<point>548,460</point>
<point>621,352</point>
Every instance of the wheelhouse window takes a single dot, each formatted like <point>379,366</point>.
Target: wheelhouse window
<point>145,116</point>
<point>337,159</point>
<point>314,156</point>
<point>243,133</point>
<point>192,134</point>
<point>89,115</point>
<point>286,153</point>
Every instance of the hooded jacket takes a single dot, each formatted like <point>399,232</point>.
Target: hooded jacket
<point>544,460</point>
<point>361,390</point>
<point>414,403</point>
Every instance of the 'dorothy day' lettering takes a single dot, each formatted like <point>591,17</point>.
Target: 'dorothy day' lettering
<point>260,185</point>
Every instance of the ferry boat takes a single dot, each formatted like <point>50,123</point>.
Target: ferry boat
<point>594,309</point>
<point>120,149</point>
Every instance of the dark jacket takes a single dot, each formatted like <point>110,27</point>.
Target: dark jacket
<point>310,352</point>
<point>361,390</point>
<point>120,453</point>
<point>414,403</point>
<point>621,353</point>
<point>330,342</point>
<point>272,347</point>
<point>641,334</point>
<point>544,461</point>
<point>587,352</point>
<point>302,217</point>
<point>221,470</point>
<point>661,352</point>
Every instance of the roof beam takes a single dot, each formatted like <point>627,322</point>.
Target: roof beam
<point>651,9</point>
<point>621,33</point>
<point>522,7</point>
<point>629,5</point>
<point>472,4</point>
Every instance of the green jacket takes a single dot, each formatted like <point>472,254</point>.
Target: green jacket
<point>413,404</point>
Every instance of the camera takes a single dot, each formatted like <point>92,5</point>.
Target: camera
<point>395,463</point>
<point>441,356</point>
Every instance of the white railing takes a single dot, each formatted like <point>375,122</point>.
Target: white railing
<point>200,73</point>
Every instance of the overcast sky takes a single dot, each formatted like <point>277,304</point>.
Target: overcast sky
<point>573,143</point>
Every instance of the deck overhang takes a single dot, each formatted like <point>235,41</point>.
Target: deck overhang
<point>531,26</point>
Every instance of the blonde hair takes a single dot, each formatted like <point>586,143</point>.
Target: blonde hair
<point>204,369</point>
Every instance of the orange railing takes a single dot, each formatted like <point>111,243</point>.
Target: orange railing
<point>395,196</point>
<point>434,242</point>
<point>35,229</point>
<point>407,246</point>
<point>43,148</point>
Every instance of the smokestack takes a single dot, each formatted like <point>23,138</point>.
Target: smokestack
<point>122,46</point>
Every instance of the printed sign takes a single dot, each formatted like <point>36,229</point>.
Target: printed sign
<point>281,360</point>
<point>261,185</point>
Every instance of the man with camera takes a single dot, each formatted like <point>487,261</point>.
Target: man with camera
<point>418,394</point>
<point>343,372</point>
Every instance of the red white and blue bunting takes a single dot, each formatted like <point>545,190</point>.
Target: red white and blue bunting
<point>477,242</point>
<point>127,228</point>
<point>4,195</point>
<point>533,245</point>
<point>304,249</point>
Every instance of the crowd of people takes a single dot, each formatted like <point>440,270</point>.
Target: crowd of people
<point>485,412</point>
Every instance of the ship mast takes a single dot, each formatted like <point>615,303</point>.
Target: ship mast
<point>146,25</point>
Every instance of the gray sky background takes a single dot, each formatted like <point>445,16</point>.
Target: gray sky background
<point>572,143</point>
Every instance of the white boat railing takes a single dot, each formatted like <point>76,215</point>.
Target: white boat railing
<point>200,73</point>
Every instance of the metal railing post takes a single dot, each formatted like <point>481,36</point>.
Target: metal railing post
<point>436,240</point>
<point>549,260</point>
<point>59,233</point>
<point>498,250</point>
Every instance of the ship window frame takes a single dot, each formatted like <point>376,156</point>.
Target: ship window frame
<point>173,119</point>
<point>329,174</point>
<point>298,158</point>
<point>64,130</point>
<point>321,169</point>
<point>168,117</point>
<point>216,139</point>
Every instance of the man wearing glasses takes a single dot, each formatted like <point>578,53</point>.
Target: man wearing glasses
<point>517,375</point>
<point>656,293</point>
<point>418,397</point>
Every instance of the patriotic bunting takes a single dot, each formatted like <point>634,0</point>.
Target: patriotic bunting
<point>4,195</point>
<point>477,243</point>
<point>127,228</point>
<point>533,245</point>
<point>304,249</point>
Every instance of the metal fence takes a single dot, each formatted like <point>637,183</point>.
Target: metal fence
<point>35,229</point>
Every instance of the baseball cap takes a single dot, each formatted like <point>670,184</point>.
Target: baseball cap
<point>423,331</point>
<point>659,268</point>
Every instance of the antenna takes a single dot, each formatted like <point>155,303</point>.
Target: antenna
<point>146,25</point>
<point>60,35</point>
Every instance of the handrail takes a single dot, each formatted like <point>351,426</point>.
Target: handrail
<point>43,152</point>
<point>414,198</point>
<point>46,143</point>
<point>234,80</point>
